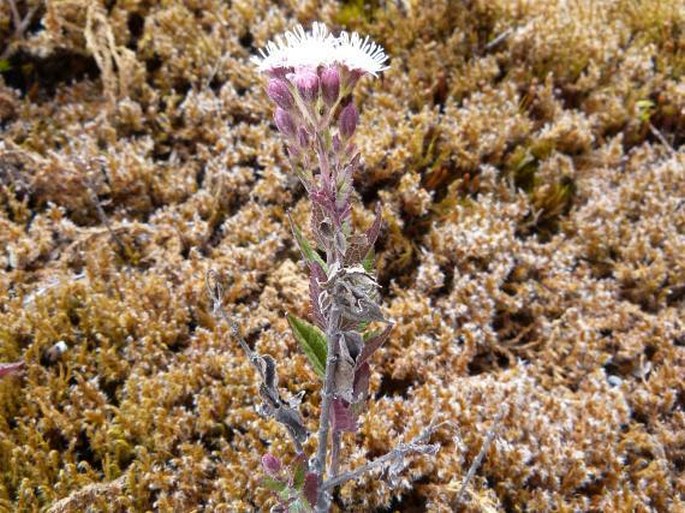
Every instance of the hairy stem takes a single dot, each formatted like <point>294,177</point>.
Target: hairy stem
<point>322,503</point>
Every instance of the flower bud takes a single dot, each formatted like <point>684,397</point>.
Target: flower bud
<point>307,83</point>
<point>278,91</point>
<point>271,464</point>
<point>349,117</point>
<point>285,123</point>
<point>330,85</point>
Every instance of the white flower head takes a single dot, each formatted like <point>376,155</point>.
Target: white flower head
<point>298,48</point>
<point>360,54</point>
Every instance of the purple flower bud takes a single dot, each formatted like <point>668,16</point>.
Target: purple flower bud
<point>285,123</point>
<point>278,91</point>
<point>279,72</point>
<point>330,85</point>
<point>349,117</point>
<point>271,464</point>
<point>307,83</point>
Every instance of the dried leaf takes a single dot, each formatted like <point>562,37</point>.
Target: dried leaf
<point>355,292</point>
<point>360,247</point>
<point>273,405</point>
<point>374,343</point>
<point>310,489</point>
<point>342,418</point>
<point>375,229</point>
<point>362,376</point>
<point>345,365</point>
<point>316,276</point>
<point>292,420</point>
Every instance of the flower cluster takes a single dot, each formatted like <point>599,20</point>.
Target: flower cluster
<point>311,78</point>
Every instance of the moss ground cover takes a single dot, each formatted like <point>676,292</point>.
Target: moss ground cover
<point>528,159</point>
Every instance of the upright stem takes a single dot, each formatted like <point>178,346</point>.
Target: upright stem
<point>333,256</point>
<point>332,329</point>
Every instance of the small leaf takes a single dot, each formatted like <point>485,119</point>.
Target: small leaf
<point>316,277</point>
<point>645,109</point>
<point>5,65</point>
<point>299,475</point>
<point>371,345</point>
<point>308,253</point>
<point>362,376</point>
<point>342,419</point>
<point>369,262</point>
<point>375,229</point>
<point>313,342</point>
<point>310,488</point>
<point>273,484</point>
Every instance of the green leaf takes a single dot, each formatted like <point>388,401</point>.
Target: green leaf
<point>298,477</point>
<point>5,65</point>
<point>273,484</point>
<point>313,342</point>
<point>369,262</point>
<point>309,253</point>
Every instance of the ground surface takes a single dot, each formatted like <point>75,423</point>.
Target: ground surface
<point>528,157</point>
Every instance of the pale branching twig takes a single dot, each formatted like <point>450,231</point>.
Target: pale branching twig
<point>657,133</point>
<point>20,24</point>
<point>273,405</point>
<point>489,437</point>
<point>417,445</point>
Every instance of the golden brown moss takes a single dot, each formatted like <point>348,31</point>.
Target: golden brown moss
<point>528,158</point>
